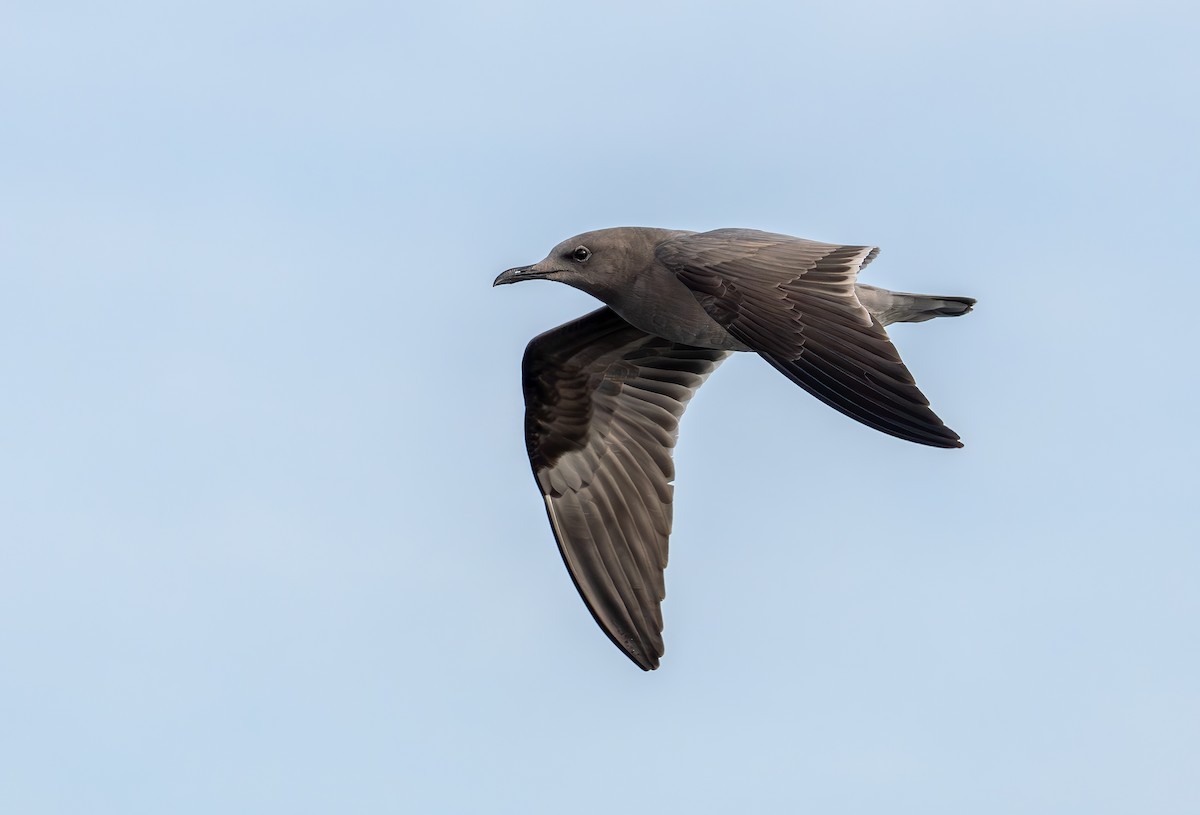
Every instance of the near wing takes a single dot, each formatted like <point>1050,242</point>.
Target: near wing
<point>602,407</point>
<point>793,302</point>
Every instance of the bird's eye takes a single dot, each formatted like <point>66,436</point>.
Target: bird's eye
<point>581,253</point>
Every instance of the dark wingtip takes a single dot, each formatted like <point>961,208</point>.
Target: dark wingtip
<point>647,662</point>
<point>950,441</point>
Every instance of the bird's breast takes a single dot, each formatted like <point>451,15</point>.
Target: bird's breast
<point>665,307</point>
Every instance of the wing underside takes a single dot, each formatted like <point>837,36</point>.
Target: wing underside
<point>603,403</point>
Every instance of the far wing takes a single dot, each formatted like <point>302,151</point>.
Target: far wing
<point>602,406</point>
<point>793,301</point>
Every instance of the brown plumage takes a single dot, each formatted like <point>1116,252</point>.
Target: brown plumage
<point>604,393</point>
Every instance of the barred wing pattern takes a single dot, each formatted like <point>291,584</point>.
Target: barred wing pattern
<point>602,406</point>
<point>792,300</point>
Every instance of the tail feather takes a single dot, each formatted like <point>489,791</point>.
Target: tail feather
<point>901,307</point>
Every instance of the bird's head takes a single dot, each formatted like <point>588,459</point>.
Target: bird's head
<point>595,262</point>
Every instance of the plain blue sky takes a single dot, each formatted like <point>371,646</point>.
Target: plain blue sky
<point>269,538</point>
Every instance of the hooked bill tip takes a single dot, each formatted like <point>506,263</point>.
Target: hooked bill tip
<point>511,275</point>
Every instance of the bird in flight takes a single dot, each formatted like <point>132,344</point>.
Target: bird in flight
<point>604,393</point>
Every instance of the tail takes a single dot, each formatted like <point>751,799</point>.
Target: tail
<point>900,307</point>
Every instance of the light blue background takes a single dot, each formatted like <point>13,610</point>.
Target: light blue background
<point>269,538</point>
